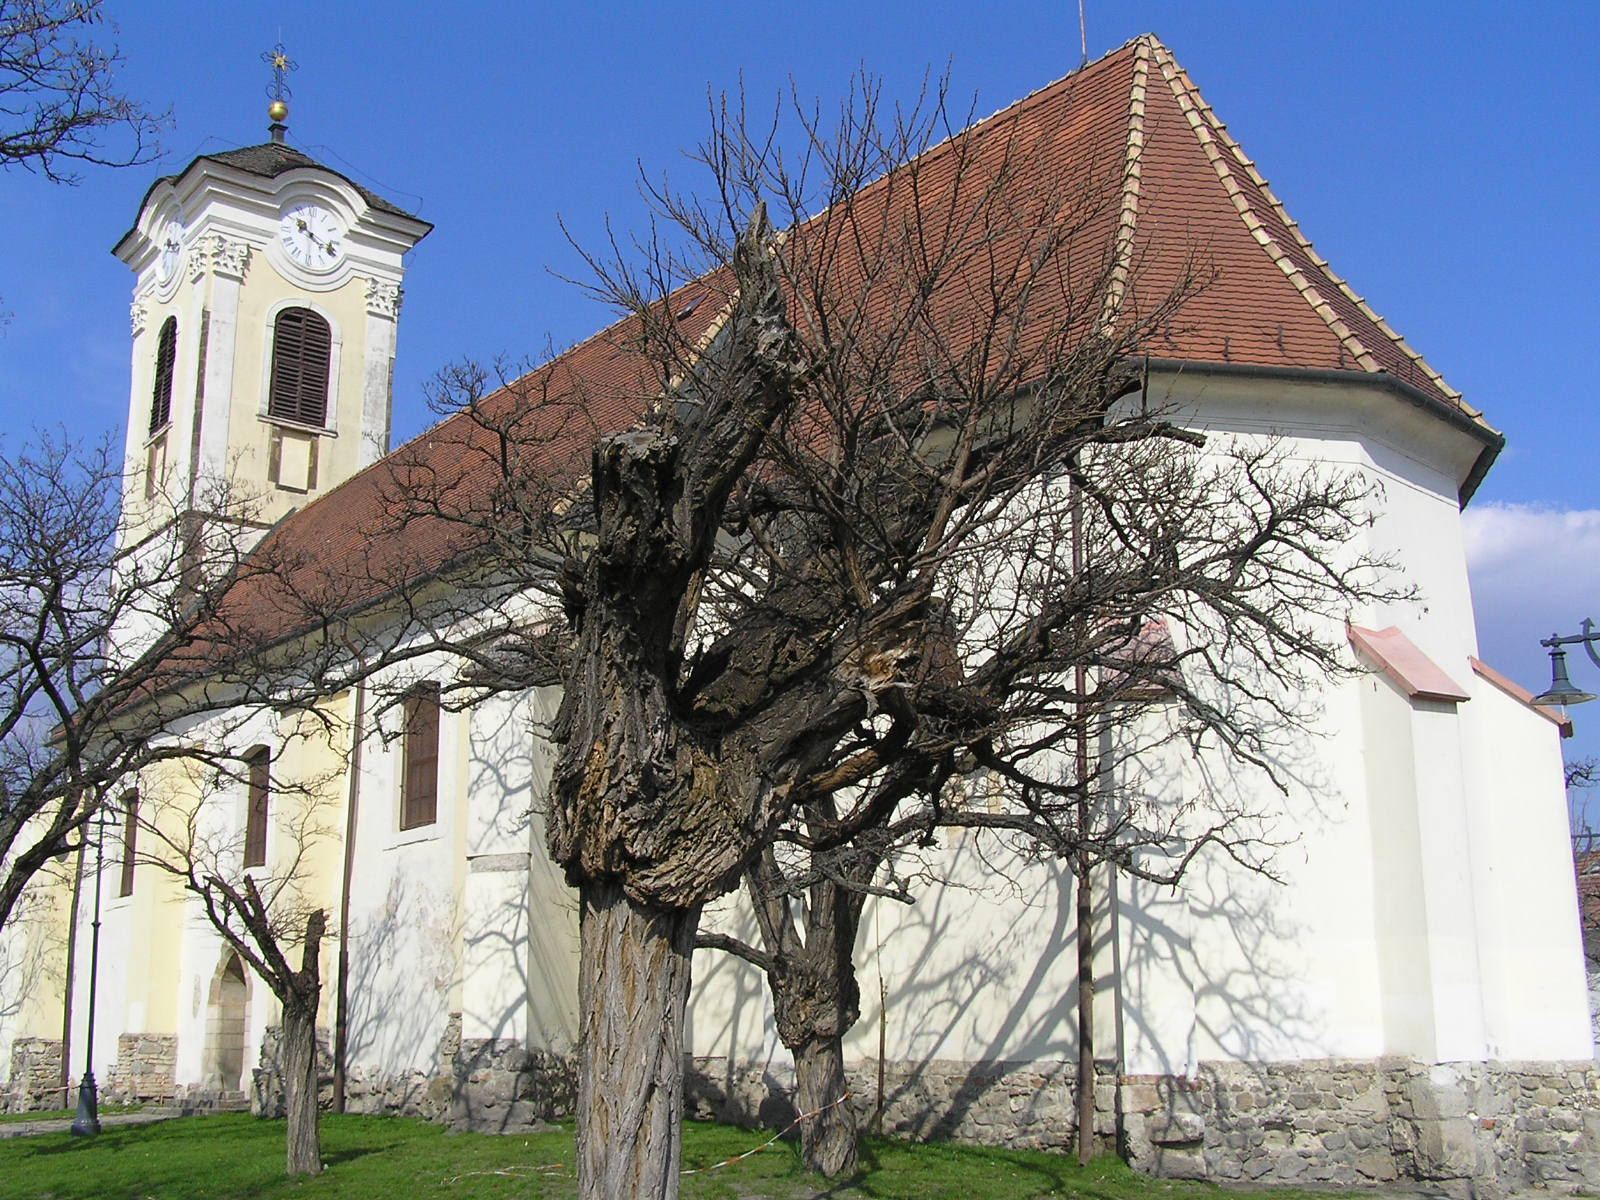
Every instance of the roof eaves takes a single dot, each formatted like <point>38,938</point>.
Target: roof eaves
<point>1491,439</point>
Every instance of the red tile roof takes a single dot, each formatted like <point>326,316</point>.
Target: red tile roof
<point>1182,192</point>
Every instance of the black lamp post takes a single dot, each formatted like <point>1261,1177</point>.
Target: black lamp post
<point>1562,691</point>
<point>87,1122</point>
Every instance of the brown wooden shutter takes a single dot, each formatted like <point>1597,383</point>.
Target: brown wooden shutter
<point>419,787</point>
<point>301,346</point>
<point>166,358</point>
<point>255,826</point>
<point>130,841</point>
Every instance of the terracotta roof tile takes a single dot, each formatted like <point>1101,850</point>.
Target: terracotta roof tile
<point>1131,126</point>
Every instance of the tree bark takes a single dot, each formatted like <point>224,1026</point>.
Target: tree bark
<point>1086,1072</point>
<point>816,1000</point>
<point>300,1089</point>
<point>827,1140</point>
<point>633,984</point>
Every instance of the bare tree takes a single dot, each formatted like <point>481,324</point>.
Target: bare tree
<point>826,569</point>
<point>112,629</point>
<point>1058,750</point>
<point>59,100</point>
<point>254,880</point>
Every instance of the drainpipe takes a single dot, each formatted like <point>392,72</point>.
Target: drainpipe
<point>341,1043</point>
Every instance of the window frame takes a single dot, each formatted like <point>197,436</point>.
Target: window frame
<point>297,411</point>
<point>166,364</point>
<point>419,757</point>
<point>258,805</point>
<point>130,842</point>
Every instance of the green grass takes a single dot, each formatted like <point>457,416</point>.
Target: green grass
<point>235,1155</point>
<point>66,1114</point>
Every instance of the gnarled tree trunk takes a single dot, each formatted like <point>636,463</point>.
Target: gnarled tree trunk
<point>300,994</point>
<point>641,818</point>
<point>299,1057</point>
<point>828,1140</point>
<point>815,1001</point>
<point>633,983</point>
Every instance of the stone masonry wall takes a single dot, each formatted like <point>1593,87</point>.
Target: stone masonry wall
<point>35,1081</point>
<point>500,1087</point>
<point>1023,1105</point>
<point>266,1081</point>
<point>1466,1129</point>
<point>485,1085</point>
<point>1470,1130</point>
<point>146,1068</point>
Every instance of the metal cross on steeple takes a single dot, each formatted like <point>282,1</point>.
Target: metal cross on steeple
<point>278,59</point>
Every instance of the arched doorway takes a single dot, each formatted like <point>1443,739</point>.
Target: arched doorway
<point>225,1026</point>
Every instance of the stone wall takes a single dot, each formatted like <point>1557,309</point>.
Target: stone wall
<point>500,1087</point>
<point>1472,1130</point>
<point>35,1081</point>
<point>485,1085</point>
<point>1023,1105</point>
<point>146,1068</point>
<point>1466,1129</point>
<point>266,1081</point>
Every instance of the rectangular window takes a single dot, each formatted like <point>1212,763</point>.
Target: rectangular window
<point>419,781</point>
<point>130,840</point>
<point>257,765</point>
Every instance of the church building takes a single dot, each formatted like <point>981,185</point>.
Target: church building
<point>1404,997</point>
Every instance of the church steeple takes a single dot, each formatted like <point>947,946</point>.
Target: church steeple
<point>266,298</point>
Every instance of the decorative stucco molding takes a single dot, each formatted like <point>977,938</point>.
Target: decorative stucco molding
<point>383,299</point>
<point>223,255</point>
<point>137,314</point>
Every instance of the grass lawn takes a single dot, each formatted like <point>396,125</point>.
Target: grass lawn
<point>67,1113</point>
<point>236,1155</point>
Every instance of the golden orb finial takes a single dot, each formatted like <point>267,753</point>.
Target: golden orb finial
<point>281,65</point>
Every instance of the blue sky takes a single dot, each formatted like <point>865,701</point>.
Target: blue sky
<point>1440,155</point>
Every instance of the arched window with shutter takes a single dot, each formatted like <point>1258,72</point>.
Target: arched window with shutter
<point>301,346</point>
<point>166,358</point>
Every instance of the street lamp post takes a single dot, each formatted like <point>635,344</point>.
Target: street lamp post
<point>1562,692</point>
<point>87,1121</point>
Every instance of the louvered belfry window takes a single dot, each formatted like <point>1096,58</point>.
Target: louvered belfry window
<point>166,357</point>
<point>301,343</point>
<point>419,786</point>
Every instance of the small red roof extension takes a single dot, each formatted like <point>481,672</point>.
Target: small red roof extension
<point>1403,661</point>
<point>1517,692</point>
<point>1132,118</point>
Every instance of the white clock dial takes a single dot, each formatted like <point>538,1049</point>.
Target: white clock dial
<point>171,252</point>
<point>311,236</point>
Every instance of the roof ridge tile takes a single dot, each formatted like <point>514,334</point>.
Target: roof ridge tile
<point>1132,176</point>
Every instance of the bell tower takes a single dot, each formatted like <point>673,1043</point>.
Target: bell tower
<point>266,295</point>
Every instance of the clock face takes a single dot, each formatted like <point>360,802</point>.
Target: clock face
<point>311,236</point>
<point>171,252</point>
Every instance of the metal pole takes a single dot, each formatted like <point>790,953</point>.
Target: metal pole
<point>87,1122</point>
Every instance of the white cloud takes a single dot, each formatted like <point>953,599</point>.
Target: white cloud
<point>1536,571</point>
<point>1533,568</point>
